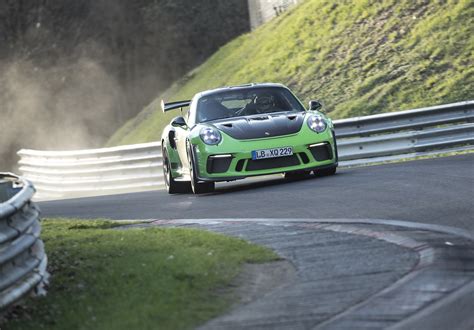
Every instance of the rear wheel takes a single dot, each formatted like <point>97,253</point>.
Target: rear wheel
<point>172,186</point>
<point>198,187</point>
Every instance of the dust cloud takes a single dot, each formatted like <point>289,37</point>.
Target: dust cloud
<point>72,72</point>
<point>69,106</point>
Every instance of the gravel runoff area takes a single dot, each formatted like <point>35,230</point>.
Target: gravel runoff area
<point>350,276</point>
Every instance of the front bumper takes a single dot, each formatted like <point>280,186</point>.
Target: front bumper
<point>232,159</point>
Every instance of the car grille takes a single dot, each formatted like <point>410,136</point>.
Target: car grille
<point>269,163</point>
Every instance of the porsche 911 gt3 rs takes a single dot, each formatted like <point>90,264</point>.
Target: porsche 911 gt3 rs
<point>236,132</point>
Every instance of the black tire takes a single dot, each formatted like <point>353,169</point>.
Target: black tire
<point>326,171</point>
<point>198,187</point>
<point>335,146</point>
<point>172,186</point>
<point>296,175</point>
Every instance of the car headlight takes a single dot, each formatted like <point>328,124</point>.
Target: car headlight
<point>210,135</point>
<point>317,123</point>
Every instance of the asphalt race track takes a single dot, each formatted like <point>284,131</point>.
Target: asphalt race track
<point>387,246</point>
<point>434,191</point>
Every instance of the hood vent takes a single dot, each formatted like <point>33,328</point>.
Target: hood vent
<point>264,126</point>
<point>259,118</point>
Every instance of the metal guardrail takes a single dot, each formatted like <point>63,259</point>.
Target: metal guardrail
<point>93,172</point>
<point>22,257</point>
<point>453,113</point>
<point>403,134</point>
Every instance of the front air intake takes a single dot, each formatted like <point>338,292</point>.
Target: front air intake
<point>218,163</point>
<point>321,151</point>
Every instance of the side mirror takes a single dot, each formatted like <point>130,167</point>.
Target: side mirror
<point>315,105</point>
<point>178,121</point>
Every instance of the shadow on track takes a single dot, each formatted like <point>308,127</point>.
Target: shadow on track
<point>256,183</point>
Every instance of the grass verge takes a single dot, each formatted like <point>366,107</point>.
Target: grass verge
<point>156,278</point>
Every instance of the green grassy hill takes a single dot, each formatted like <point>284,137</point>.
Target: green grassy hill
<point>359,57</point>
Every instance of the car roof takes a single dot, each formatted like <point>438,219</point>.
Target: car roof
<point>237,87</point>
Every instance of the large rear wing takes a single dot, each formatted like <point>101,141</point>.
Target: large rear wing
<point>174,105</point>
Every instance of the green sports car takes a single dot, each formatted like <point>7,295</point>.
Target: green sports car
<point>236,132</point>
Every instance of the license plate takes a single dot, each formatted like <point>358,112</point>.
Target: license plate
<point>272,153</point>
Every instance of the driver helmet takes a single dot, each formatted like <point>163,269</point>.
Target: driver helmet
<point>263,103</point>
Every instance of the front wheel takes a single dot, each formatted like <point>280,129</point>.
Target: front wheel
<point>172,186</point>
<point>296,175</point>
<point>198,187</point>
<point>326,171</point>
<point>329,170</point>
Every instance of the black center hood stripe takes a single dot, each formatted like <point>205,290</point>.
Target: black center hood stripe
<point>261,126</point>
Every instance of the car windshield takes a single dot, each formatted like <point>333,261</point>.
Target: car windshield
<point>244,102</point>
